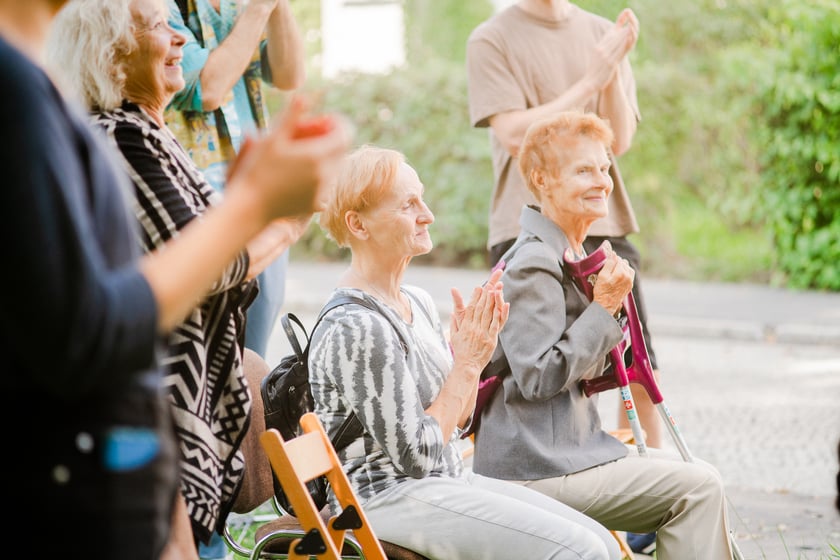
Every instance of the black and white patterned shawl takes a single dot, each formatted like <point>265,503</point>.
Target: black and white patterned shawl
<point>211,401</point>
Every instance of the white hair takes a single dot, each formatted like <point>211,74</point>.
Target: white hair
<point>86,50</point>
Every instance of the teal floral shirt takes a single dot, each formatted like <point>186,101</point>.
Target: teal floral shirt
<point>213,138</point>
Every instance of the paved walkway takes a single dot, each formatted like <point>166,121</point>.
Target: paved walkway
<point>753,378</point>
<point>741,311</point>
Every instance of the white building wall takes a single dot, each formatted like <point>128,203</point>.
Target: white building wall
<point>361,36</point>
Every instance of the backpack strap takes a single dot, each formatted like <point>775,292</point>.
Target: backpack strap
<point>286,320</point>
<point>420,305</point>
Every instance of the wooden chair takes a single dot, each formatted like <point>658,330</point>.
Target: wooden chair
<point>257,527</point>
<point>295,463</point>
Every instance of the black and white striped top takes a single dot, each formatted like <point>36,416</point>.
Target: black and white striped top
<point>204,377</point>
<point>357,362</point>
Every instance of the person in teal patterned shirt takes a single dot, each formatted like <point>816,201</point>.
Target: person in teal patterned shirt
<point>233,48</point>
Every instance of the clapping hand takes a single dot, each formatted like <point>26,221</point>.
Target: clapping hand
<point>292,165</point>
<point>475,326</point>
<point>613,47</point>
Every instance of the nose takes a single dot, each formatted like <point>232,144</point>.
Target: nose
<point>604,179</point>
<point>178,39</point>
<point>426,216</point>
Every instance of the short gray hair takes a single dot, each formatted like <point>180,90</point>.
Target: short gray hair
<point>86,50</point>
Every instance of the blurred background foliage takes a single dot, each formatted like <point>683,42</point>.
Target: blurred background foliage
<point>735,167</point>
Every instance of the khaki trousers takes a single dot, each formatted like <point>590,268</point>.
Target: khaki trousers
<point>683,502</point>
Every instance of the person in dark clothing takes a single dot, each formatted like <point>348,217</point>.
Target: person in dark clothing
<point>81,344</point>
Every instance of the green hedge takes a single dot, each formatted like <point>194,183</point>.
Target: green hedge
<point>801,144</point>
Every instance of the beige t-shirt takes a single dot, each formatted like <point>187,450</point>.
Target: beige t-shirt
<point>516,61</point>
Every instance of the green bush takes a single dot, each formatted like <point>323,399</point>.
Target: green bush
<point>801,144</point>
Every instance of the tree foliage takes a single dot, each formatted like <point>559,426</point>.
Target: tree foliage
<point>800,141</point>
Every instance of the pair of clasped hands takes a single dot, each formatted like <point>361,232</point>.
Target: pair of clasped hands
<point>475,326</point>
<point>613,47</point>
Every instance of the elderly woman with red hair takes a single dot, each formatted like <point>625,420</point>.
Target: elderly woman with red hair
<point>539,429</point>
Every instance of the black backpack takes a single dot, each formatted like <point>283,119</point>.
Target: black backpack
<point>287,396</point>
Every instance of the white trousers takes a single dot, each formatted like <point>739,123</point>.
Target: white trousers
<point>478,518</point>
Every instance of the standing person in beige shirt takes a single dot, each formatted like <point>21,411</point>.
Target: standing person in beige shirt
<point>535,59</point>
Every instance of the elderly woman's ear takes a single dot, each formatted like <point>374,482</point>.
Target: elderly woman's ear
<point>355,225</point>
<point>538,180</point>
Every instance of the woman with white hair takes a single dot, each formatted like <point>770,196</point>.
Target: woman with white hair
<point>123,60</point>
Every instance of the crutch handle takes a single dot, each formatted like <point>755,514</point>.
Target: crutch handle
<point>598,384</point>
<point>584,272</point>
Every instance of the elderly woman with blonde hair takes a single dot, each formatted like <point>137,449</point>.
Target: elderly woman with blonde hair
<point>122,59</point>
<point>390,364</point>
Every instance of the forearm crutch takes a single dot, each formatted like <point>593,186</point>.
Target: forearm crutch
<point>629,358</point>
<point>629,367</point>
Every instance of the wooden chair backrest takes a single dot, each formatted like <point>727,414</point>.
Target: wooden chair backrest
<point>303,459</point>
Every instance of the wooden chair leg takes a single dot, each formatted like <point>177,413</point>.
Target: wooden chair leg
<point>624,435</point>
<point>626,553</point>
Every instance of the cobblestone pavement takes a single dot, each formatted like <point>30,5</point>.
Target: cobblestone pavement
<point>766,415</point>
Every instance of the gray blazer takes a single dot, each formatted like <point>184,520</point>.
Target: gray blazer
<point>539,424</point>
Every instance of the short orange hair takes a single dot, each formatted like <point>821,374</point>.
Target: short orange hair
<point>366,175</point>
<point>546,140</point>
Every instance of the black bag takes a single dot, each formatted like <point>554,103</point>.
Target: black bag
<point>287,396</point>
<point>490,380</point>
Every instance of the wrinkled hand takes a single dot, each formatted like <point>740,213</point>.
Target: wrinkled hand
<point>614,282</point>
<point>291,174</point>
<point>475,326</point>
<point>613,47</point>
